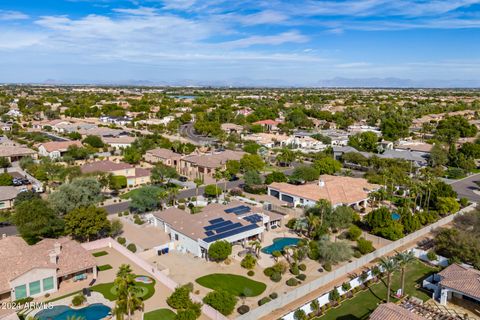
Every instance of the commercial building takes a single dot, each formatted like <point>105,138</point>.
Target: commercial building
<point>33,271</point>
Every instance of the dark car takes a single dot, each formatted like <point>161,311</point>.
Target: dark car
<point>233,178</point>
<point>183,179</point>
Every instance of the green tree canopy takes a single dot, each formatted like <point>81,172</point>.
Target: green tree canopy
<point>36,220</point>
<point>87,223</point>
<point>219,250</point>
<point>81,192</point>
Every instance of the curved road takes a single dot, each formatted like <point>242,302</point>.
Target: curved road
<point>188,131</point>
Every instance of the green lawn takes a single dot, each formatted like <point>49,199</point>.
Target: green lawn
<point>100,254</point>
<point>109,290</point>
<point>129,194</point>
<point>104,267</point>
<point>160,314</point>
<point>236,285</point>
<point>360,307</point>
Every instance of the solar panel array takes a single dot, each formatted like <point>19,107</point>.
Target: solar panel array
<point>238,210</point>
<point>230,233</point>
<point>254,218</point>
<point>217,225</point>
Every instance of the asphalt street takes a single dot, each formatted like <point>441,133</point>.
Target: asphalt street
<point>466,186</point>
<point>188,131</point>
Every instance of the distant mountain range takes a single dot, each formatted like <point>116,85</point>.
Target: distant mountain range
<point>338,82</point>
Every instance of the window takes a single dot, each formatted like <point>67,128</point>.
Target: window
<point>48,284</point>
<point>2,204</point>
<point>20,292</point>
<point>34,288</point>
<point>176,236</point>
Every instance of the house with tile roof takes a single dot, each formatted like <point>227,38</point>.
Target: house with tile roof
<point>235,222</point>
<point>35,270</point>
<point>14,152</point>
<point>165,156</point>
<point>135,176</point>
<point>455,282</point>
<point>205,164</point>
<point>338,190</point>
<point>268,125</point>
<point>391,311</point>
<point>7,196</point>
<point>56,149</point>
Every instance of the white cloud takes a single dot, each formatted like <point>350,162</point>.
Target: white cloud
<point>277,39</point>
<point>6,15</point>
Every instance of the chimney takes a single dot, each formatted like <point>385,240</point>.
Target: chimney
<point>53,257</point>
<point>321,183</point>
<point>58,248</point>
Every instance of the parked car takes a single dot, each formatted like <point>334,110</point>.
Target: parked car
<point>183,179</point>
<point>233,178</point>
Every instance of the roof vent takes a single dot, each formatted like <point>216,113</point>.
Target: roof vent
<point>321,183</point>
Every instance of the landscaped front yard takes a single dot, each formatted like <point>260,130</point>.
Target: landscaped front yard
<point>109,290</point>
<point>363,303</point>
<point>160,314</point>
<point>236,285</point>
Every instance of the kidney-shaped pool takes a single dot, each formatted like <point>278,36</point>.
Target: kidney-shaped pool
<point>94,311</point>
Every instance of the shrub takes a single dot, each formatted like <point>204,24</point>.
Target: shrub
<point>357,254</point>
<point>268,271</point>
<point>138,220</point>
<point>327,266</point>
<point>122,240</point>
<point>264,300</point>
<point>78,300</point>
<point>132,247</point>
<point>280,267</point>
<point>243,309</point>
<point>276,277</point>
<point>300,315</point>
<point>220,250</point>
<point>248,262</point>
<point>273,295</point>
<point>301,277</point>
<point>334,295</point>
<point>223,301</point>
<point>291,223</point>
<point>365,246</point>
<point>181,207</point>
<point>292,282</point>
<point>463,202</point>
<point>354,233</point>
<point>24,300</point>
<point>302,267</point>
<point>180,298</point>
<point>346,286</point>
<point>294,270</point>
<point>431,255</point>
<point>250,273</point>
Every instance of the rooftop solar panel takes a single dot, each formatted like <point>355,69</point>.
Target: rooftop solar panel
<point>209,233</point>
<point>218,225</point>
<point>230,233</point>
<point>229,227</point>
<point>254,218</point>
<point>216,221</point>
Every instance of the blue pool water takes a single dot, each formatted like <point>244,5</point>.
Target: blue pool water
<point>279,244</point>
<point>395,216</point>
<point>94,311</point>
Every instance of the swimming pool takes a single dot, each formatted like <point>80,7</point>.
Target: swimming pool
<point>144,279</point>
<point>279,244</point>
<point>94,311</point>
<point>395,216</point>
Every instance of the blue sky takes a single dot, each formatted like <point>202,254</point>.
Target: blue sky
<point>296,42</point>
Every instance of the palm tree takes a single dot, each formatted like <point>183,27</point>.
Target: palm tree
<point>217,175</point>
<point>313,222</point>
<point>162,195</point>
<point>198,183</point>
<point>127,293</point>
<point>315,306</point>
<point>404,259</point>
<point>389,266</point>
<point>256,246</point>
<point>174,193</point>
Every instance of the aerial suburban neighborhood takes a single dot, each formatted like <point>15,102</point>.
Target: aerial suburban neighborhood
<point>347,214</point>
<point>240,160</point>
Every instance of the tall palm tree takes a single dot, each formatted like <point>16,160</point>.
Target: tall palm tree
<point>128,293</point>
<point>403,260</point>
<point>389,266</point>
<point>315,306</point>
<point>217,175</point>
<point>198,183</point>
<point>174,193</point>
<point>313,222</point>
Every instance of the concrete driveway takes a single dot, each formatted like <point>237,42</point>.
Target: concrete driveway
<point>466,187</point>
